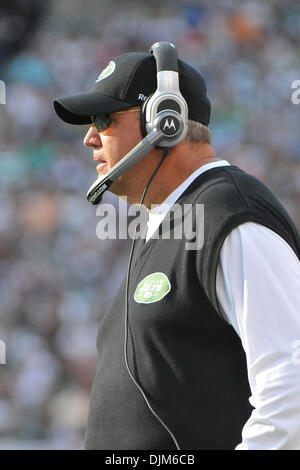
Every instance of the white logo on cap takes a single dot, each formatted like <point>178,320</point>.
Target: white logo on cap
<point>107,71</point>
<point>142,97</point>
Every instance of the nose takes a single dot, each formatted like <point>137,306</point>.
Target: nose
<point>92,138</point>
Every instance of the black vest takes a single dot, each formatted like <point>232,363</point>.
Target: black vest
<point>188,360</point>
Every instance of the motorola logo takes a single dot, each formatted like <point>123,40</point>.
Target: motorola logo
<point>169,125</point>
<point>98,192</point>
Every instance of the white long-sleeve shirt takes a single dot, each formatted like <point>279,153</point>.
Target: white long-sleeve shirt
<point>258,288</point>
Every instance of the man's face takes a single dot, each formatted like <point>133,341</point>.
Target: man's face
<point>112,144</point>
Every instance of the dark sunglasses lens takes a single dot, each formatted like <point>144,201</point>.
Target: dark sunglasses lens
<point>102,122</point>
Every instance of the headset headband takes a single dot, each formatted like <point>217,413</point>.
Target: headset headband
<point>166,108</point>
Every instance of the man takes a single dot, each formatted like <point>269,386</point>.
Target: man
<point>218,323</point>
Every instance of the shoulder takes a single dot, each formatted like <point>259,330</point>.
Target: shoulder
<point>256,239</point>
<point>230,184</point>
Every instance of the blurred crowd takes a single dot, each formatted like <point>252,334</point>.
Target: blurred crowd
<point>56,277</point>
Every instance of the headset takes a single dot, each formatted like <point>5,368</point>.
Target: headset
<point>164,121</point>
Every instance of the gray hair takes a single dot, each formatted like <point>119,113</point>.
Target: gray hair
<point>198,133</point>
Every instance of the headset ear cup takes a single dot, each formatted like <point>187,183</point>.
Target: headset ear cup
<point>143,117</point>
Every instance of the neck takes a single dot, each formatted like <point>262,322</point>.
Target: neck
<point>179,164</point>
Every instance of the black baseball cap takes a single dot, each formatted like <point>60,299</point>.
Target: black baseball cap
<point>126,82</point>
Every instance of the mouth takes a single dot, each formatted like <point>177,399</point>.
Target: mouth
<point>101,164</point>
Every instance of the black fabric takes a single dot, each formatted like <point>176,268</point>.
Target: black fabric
<point>78,109</point>
<point>133,80</point>
<point>188,360</point>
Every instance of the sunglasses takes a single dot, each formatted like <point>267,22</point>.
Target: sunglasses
<point>101,122</point>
